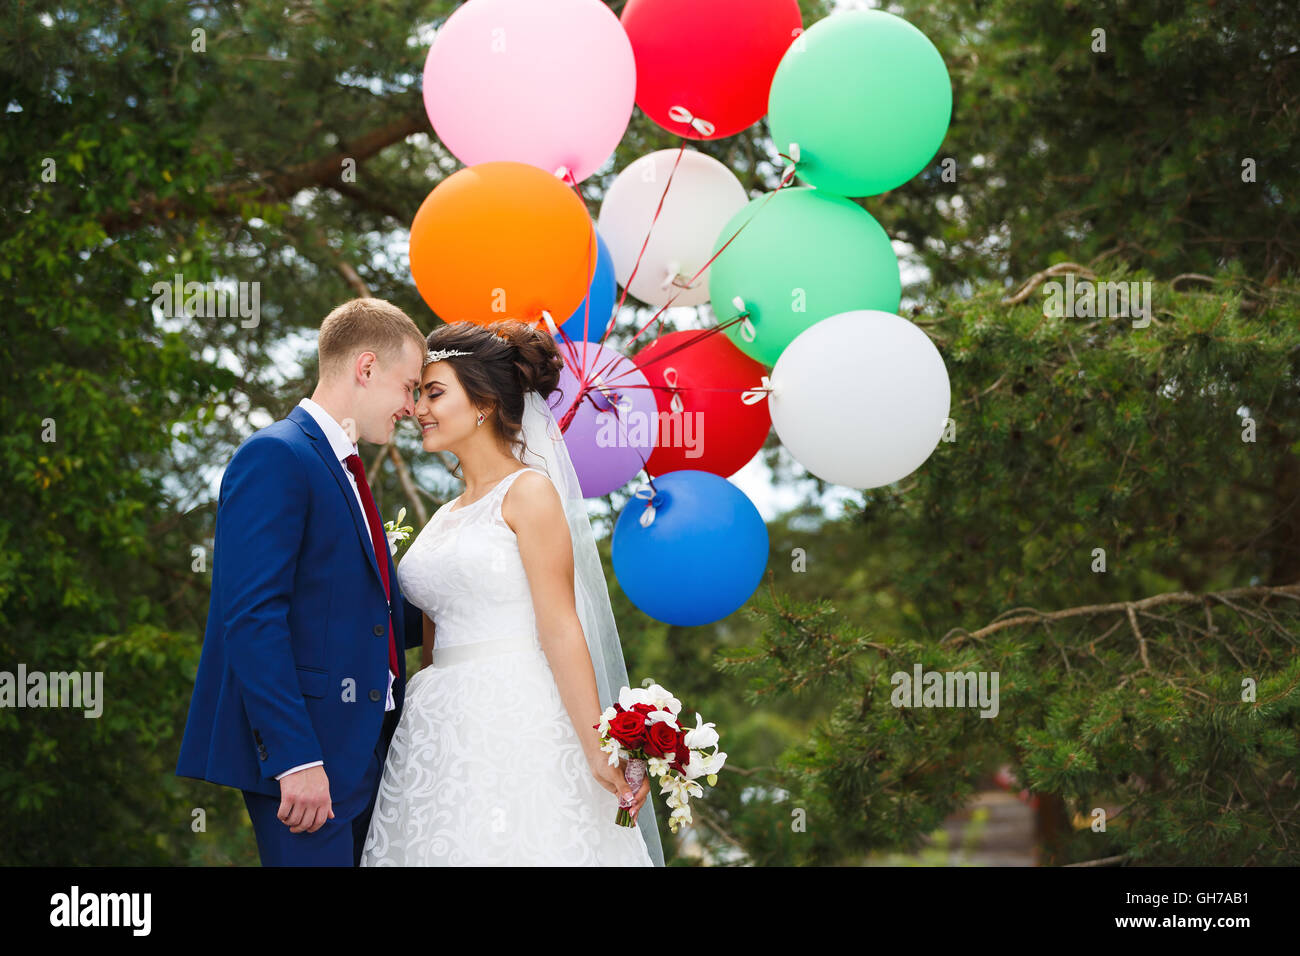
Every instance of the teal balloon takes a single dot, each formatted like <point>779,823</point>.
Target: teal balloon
<point>807,255</point>
<point>866,96</point>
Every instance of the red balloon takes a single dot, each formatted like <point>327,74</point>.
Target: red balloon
<point>712,59</point>
<point>714,431</point>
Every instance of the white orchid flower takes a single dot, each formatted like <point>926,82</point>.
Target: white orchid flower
<point>659,697</point>
<point>662,717</point>
<point>705,765</point>
<point>715,761</point>
<point>611,747</point>
<point>681,789</point>
<point>629,697</point>
<point>702,735</point>
<point>695,767</point>
<point>608,714</point>
<point>395,531</point>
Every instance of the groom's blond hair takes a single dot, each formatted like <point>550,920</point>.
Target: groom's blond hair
<point>364,325</point>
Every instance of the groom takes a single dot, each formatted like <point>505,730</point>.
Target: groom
<point>303,670</point>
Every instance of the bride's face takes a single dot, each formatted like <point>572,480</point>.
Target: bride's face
<point>444,412</point>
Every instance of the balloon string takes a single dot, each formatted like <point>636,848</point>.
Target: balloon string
<point>687,388</point>
<point>566,340</point>
<point>786,178</point>
<point>581,372</point>
<point>584,393</point>
<point>681,151</point>
<point>694,340</point>
<point>585,383</point>
<point>586,311</point>
<point>586,386</point>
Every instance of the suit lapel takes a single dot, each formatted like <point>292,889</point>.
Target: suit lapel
<point>300,417</point>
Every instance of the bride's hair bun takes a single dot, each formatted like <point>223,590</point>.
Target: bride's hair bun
<point>536,357</point>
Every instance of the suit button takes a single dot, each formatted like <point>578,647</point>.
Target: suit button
<point>379,630</point>
<point>374,695</point>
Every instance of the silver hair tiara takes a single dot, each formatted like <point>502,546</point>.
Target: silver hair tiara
<point>440,354</point>
<point>437,356</point>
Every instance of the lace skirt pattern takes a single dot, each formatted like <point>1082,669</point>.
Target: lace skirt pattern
<point>485,770</point>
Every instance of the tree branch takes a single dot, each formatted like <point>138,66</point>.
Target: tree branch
<point>408,486</point>
<point>958,635</point>
<point>1035,280</point>
<point>276,186</point>
<point>354,280</point>
<point>362,198</point>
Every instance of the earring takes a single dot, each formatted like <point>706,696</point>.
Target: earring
<point>480,418</point>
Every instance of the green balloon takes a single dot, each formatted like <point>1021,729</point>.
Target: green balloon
<point>866,96</point>
<point>807,255</point>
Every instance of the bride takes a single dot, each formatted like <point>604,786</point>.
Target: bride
<point>496,759</point>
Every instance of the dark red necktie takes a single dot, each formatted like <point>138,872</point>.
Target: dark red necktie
<point>380,541</point>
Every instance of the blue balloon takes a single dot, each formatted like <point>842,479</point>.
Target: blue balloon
<point>700,558</point>
<point>602,294</point>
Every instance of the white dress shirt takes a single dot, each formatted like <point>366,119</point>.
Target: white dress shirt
<point>342,446</point>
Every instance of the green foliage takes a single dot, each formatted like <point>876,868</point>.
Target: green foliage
<point>94,569</point>
<point>1144,716</point>
<point>1133,153</point>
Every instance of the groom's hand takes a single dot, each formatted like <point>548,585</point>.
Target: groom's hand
<point>305,800</point>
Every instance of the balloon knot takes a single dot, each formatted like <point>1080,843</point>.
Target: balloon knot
<point>681,114</point>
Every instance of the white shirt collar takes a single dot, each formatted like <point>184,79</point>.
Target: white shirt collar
<point>334,432</point>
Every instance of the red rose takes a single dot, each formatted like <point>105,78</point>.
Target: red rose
<point>661,740</point>
<point>683,753</point>
<point>628,728</point>
<point>646,709</point>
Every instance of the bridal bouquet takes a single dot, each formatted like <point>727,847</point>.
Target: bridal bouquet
<point>642,727</point>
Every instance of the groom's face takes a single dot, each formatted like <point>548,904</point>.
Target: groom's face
<point>389,393</point>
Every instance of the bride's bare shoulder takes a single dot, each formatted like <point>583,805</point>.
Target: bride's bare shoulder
<point>532,501</point>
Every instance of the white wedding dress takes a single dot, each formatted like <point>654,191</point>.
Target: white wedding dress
<point>485,768</point>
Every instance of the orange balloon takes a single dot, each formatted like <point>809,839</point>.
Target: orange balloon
<point>503,240</point>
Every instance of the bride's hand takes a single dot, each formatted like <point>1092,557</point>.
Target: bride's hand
<point>611,778</point>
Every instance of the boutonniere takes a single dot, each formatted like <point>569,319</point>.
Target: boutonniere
<point>395,531</point>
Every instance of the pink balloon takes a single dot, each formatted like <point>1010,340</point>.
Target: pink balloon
<point>550,84</point>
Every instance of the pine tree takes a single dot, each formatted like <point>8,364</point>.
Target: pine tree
<point>1105,536</point>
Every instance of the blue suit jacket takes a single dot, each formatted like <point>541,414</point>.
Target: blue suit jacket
<point>295,656</point>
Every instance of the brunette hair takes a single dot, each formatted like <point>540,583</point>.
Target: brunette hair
<point>506,360</point>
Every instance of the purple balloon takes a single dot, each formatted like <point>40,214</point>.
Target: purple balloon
<point>613,431</point>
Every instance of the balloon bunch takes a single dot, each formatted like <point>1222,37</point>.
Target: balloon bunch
<point>862,98</point>
<point>858,395</point>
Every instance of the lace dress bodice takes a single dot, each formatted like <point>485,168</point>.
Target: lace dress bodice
<point>465,572</point>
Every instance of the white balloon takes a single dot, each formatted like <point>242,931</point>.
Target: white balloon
<point>860,399</point>
<point>703,196</point>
